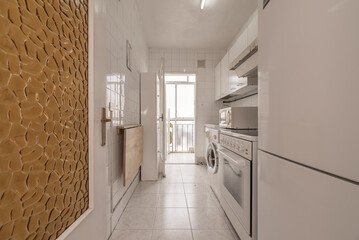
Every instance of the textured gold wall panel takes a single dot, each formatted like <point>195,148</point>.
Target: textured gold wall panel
<point>43,116</point>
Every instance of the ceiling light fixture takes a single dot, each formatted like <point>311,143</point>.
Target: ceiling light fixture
<point>202,4</point>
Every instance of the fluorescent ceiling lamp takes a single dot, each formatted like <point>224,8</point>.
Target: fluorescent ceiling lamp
<point>202,4</point>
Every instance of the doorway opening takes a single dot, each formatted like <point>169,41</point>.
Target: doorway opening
<point>180,111</point>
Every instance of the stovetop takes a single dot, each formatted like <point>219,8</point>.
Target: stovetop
<point>249,135</point>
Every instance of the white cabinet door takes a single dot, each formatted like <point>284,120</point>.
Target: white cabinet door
<point>308,75</point>
<point>238,46</point>
<point>252,30</point>
<point>217,84</point>
<point>224,76</point>
<point>296,203</point>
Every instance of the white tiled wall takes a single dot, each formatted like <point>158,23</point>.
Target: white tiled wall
<point>251,101</point>
<point>122,92</point>
<point>185,60</point>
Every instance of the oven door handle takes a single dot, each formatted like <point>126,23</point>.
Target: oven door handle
<point>235,171</point>
<point>240,163</point>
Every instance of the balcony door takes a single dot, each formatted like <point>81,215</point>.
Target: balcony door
<point>180,102</point>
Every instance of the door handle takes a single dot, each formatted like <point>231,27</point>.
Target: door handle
<point>161,117</point>
<point>238,173</point>
<point>104,120</point>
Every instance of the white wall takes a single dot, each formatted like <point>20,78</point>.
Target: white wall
<point>122,94</point>
<point>185,60</point>
<point>251,101</point>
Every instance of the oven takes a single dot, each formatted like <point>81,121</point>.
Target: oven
<point>236,190</point>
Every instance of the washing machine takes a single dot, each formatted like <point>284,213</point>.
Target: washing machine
<point>212,158</point>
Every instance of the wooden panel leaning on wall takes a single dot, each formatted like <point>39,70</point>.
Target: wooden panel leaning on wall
<point>43,117</point>
<point>132,151</point>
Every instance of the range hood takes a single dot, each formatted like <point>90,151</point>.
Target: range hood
<point>246,68</point>
<point>247,61</point>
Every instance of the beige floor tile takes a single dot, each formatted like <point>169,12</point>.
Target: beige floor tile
<point>194,172</point>
<point>147,187</point>
<point>193,169</point>
<point>212,235</point>
<point>172,178</point>
<point>173,167</point>
<point>137,218</point>
<point>171,200</point>
<point>158,210</point>
<point>173,172</point>
<point>181,158</point>
<point>171,188</point>
<point>172,235</point>
<point>172,218</point>
<point>131,235</point>
<point>143,200</point>
<point>195,179</point>
<point>200,200</point>
<point>207,218</point>
<point>196,188</point>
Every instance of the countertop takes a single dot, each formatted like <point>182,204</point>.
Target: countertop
<point>212,126</point>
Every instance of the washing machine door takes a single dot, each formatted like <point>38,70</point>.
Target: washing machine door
<point>212,158</point>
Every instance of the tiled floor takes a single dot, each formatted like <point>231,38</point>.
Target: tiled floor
<point>179,207</point>
<point>181,158</point>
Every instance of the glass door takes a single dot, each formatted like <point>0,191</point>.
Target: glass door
<point>180,102</point>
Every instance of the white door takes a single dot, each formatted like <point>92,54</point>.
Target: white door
<point>51,185</point>
<point>296,203</point>
<point>161,119</point>
<point>93,224</point>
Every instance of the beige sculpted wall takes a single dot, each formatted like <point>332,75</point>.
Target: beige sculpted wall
<point>43,116</point>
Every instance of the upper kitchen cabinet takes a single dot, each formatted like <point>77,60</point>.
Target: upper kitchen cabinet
<point>236,74</point>
<point>245,42</point>
<point>239,46</point>
<point>217,84</point>
<point>224,76</point>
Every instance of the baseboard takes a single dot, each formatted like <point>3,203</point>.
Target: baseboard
<point>115,217</point>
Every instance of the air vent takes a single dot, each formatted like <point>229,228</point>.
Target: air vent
<point>201,64</point>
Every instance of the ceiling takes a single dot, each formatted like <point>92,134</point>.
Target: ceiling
<point>182,24</point>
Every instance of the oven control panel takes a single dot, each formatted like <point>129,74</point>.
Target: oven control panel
<point>237,145</point>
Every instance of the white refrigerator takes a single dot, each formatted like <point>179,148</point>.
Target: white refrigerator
<point>308,186</point>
